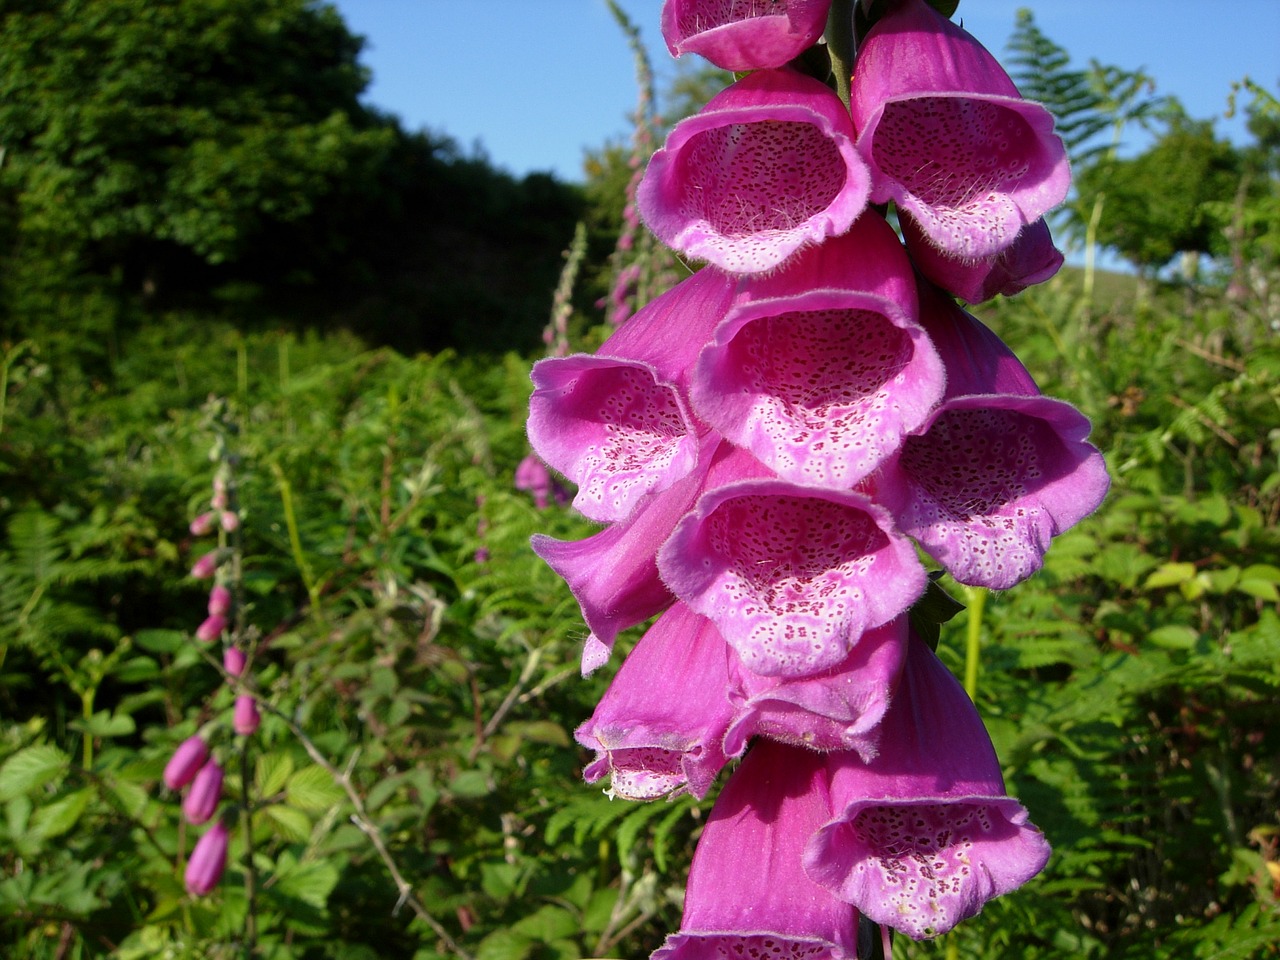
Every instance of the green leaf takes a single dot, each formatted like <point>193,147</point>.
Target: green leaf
<point>290,822</point>
<point>1262,589</point>
<point>541,731</point>
<point>1169,575</point>
<point>470,783</point>
<point>310,882</point>
<point>105,724</point>
<point>271,773</point>
<point>55,819</point>
<point>1173,637</point>
<point>32,768</point>
<point>312,788</point>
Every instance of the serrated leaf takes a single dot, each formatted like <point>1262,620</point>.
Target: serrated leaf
<point>30,769</point>
<point>271,773</point>
<point>310,882</point>
<point>312,788</point>
<point>504,945</point>
<point>55,819</point>
<point>106,725</point>
<point>290,822</point>
<point>1262,589</point>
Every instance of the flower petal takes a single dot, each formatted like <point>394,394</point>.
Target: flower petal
<point>767,167</point>
<point>924,835</point>
<point>820,368</point>
<point>792,576</point>
<point>1030,259</point>
<point>743,35</point>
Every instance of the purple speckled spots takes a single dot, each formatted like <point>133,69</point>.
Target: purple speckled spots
<point>791,576</point>
<point>743,35</point>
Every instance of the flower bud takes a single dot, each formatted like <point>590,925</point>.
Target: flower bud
<point>205,566</point>
<point>186,760</point>
<point>202,525</point>
<point>206,790</point>
<point>233,661</point>
<point>229,520</point>
<point>246,717</point>
<point>208,860</point>
<point>219,601</point>
<point>212,628</point>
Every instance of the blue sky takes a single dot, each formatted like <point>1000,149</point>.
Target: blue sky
<point>538,82</point>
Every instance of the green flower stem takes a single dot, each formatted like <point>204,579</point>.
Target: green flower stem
<point>976,601</point>
<point>839,36</point>
<point>295,541</point>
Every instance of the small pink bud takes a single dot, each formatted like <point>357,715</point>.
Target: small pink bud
<point>246,718</point>
<point>205,566</point>
<point>202,524</point>
<point>206,790</point>
<point>219,499</point>
<point>208,860</point>
<point>186,760</point>
<point>212,628</point>
<point>233,660</point>
<point>219,601</point>
<point>230,520</point>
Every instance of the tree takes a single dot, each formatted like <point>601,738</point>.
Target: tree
<point>1156,203</point>
<point>136,131</point>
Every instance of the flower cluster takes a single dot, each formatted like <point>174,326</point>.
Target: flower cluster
<point>193,766</point>
<point>773,442</point>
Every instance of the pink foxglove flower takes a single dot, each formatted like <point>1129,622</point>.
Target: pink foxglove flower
<point>208,860</point>
<point>245,718</point>
<point>767,167</point>
<point>616,423</point>
<point>219,601</point>
<point>532,477</point>
<point>1030,259</point>
<point>206,790</point>
<point>748,895</point>
<point>998,470</point>
<point>925,834</point>
<point>614,574</point>
<point>229,520</point>
<point>185,762</point>
<point>820,368</point>
<point>212,627</point>
<point>947,136</point>
<point>233,661</point>
<point>659,727</point>
<point>206,566</point>
<point>792,576</point>
<point>743,35</point>
<point>202,525</point>
<point>838,709</point>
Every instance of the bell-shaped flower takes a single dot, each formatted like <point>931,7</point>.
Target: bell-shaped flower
<point>616,423</point>
<point>614,574</point>
<point>767,167</point>
<point>532,477</point>
<point>748,894</point>
<point>207,565</point>
<point>997,470</point>
<point>924,835</point>
<point>838,709</point>
<point>659,727</point>
<point>208,861</point>
<point>820,368</point>
<point>211,628</point>
<point>205,793</point>
<point>947,136</point>
<point>743,35</point>
<point>203,524</point>
<point>1030,259</point>
<point>245,718</point>
<point>219,601</point>
<point>792,576</point>
<point>233,661</point>
<point>185,762</point>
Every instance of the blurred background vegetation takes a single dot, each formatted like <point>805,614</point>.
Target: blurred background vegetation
<point>194,203</point>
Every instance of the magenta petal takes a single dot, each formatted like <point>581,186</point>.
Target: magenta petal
<point>767,167</point>
<point>976,360</point>
<point>743,35</point>
<point>748,895</point>
<point>947,136</point>
<point>839,709</point>
<point>613,574</point>
<point>925,834</point>
<point>820,368</point>
<point>792,576</point>
<point>658,728</point>
<point>613,428</point>
<point>208,860</point>
<point>990,480</point>
<point>1030,259</point>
